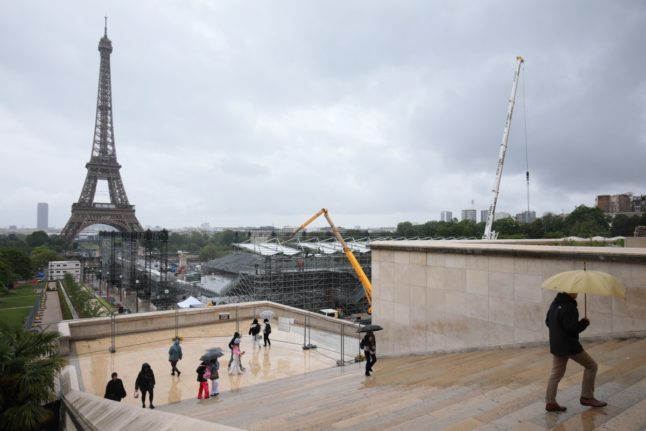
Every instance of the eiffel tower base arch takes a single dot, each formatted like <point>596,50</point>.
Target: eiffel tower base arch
<point>121,218</point>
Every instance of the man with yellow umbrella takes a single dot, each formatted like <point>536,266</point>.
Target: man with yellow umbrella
<point>564,329</point>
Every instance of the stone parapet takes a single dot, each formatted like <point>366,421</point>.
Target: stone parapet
<point>433,296</point>
<point>85,329</point>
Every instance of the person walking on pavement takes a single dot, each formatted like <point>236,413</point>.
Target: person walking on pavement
<point>254,331</point>
<point>236,336</point>
<point>114,390</point>
<point>369,345</point>
<point>214,365</point>
<point>146,383</point>
<point>236,366</point>
<point>203,373</point>
<point>564,327</point>
<point>265,333</point>
<point>174,355</point>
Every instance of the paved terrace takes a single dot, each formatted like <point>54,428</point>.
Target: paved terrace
<point>285,358</point>
<point>286,388</point>
<point>481,390</point>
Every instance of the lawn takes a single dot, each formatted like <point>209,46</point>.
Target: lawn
<point>23,297</point>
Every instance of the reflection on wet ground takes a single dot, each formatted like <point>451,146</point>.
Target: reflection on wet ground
<point>498,389</point>
<point>284,358</point>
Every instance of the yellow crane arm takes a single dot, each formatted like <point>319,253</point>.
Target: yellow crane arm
<point>367,286</point>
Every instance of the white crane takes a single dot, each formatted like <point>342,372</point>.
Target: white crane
<point>488,233</point>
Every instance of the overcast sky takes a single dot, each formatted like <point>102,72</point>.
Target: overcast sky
<point>260,113</point>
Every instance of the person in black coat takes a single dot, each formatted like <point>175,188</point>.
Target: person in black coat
<point>114,390</point>
<point>265,332</point>
<point>254,330</point>
<point>564,327</point>
<point>146,382</point>
<point>369,346</point>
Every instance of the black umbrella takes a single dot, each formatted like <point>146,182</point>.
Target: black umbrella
<point>366,328</point>
<point>211,354</point>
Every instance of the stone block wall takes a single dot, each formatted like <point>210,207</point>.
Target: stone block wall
<point>433,296</point>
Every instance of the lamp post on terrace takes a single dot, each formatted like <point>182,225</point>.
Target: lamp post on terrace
<point>108,285</point>
<point>137,298</point>
<point>121,288</point>
<point>165,299</point>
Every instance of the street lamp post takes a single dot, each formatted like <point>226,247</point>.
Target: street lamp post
<point>108,285</point>
<point>137,298</point>
<point>121,288</point>
<point>165,299</point>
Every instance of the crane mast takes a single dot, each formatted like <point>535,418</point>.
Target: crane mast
<point>363,279</point>
<point>488,232</point>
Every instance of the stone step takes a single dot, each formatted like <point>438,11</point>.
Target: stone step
<point>492,389</point>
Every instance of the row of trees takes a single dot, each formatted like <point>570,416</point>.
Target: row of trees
<point>584,222</point>
<point>22,255</point>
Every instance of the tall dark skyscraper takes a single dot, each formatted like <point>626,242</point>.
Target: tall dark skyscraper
<point>43,216</point>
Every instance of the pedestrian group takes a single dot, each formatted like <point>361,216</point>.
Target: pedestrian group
<point>206,370</point>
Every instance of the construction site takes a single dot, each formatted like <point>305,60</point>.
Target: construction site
<point>312,275</point>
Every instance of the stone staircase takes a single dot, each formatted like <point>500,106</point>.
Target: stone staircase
<point>499,389</point>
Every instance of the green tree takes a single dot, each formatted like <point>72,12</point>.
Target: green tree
<point>7,277</point>
<point>508,227</point>
<point>622,225</point>
<point>553,226</point>
<point>29,364</point>
<point>18,260</point>
<point>535,229</point>
<point>587,222</point>
<point>226,237</point>
<point>13,241</point>
<point>36,239</point>
<point>405,229</point>
<point>41,256</point>
<point>208,252</point>
<point>57,243</point>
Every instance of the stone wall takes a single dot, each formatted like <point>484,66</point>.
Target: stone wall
<point>89,329</point>
<point>433,296</point>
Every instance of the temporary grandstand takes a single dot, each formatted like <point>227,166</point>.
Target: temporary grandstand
<point>310,275</point>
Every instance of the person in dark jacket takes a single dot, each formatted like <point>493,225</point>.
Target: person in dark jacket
<point>254,330</point>
<point>146,383</point>
<point>369,346</point>
<point>174,355</point>
<point>265,332</point>
<point>202,378</point>
<point>564,325</point>
<point>114,390</point>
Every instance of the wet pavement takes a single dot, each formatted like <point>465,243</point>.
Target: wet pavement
<point>489,390</point>
<point>285,358</point>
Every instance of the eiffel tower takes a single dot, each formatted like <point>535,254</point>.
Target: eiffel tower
<point>103,165</point>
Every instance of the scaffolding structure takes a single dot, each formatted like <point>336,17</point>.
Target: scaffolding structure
<point>138,261</point>
<point>312,275</point>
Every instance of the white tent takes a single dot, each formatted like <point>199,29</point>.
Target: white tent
<point>190,302</point>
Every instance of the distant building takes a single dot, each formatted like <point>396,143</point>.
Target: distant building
<point>526,217</point>
<point>622,203</point>
<point>42,220</point>
<point>469,215</point>
<point>446,216</point>
<point>501,215</point>
<point>58,268</point>
<point>483,215</point>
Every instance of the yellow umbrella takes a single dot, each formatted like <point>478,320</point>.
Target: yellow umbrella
<point>584,281</point>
